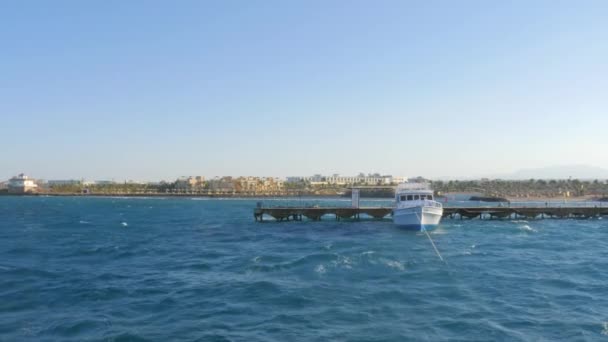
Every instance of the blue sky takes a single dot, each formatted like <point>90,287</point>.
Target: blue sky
<point>152,90</point>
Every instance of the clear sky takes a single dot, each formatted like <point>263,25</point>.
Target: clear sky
<point>151,90</point>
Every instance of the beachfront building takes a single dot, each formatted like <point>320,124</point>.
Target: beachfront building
<point>336,179</point>
<point>190,182</point>
<point>223,184</point>
<point>247,183</point>
<point>272,184</point>
<point>375,179</point>
<point>398,179</point>
<point>21,184</point>
<point>314,180</point>
<point>259,184</point>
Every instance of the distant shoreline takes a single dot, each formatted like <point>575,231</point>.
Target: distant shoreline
<point>263,196</point>
<point>166,195</point>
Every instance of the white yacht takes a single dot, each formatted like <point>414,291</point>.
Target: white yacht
<point>415,207</point>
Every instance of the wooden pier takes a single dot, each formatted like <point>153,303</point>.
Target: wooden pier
<point>345,213</point>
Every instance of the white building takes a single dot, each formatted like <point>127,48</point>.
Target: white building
<point>398,179</point>
<point>314,180</point>
<point>21,184</point>
<point>361,179</point>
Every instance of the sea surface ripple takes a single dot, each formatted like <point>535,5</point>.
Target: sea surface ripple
<point>158,269</point>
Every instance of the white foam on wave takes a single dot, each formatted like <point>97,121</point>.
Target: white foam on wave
<point>257,259</point>
<point>469,251</point>
<point>84,222</point>
<point>605,330</point>
<point>136,197</point>
<point>369,257</point>
<point>320,269</point>
<point>124,224</point>
<point>343,261</point>
<point>526,228</point>
<point>395,264</point>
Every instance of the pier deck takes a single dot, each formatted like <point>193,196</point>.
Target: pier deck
<point>339,213</point>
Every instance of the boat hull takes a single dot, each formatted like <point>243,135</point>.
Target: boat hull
<point>417,218</point>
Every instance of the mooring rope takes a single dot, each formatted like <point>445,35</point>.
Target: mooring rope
<point>434,247</point>
<point>432,243</point>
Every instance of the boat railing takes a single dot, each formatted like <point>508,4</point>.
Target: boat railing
<point>416,203</point>
<point>413,186</point>
<point>435,204</point>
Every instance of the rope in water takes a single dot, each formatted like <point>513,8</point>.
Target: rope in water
<point>432,243</point>
<point>434,247</point>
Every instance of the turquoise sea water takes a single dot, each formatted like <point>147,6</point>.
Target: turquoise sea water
<point>122,269</point>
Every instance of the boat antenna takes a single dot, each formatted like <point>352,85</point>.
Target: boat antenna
<point>433,244</point>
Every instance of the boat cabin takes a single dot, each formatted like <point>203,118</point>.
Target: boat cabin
<point>407,192</point>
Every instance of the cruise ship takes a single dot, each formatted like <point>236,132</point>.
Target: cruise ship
<point>415,207</point>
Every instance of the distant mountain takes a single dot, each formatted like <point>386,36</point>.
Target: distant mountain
<point>558,172</point>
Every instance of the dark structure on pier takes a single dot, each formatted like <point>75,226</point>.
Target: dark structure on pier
<point>526,212</point>
<point>339,213</point>
<point>315,214</point>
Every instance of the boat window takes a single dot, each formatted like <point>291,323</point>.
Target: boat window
<point>402,198</point>
<point>416,197</point>
<point>423,197</point>
<point>429,197</point>
<point>410,197</point>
